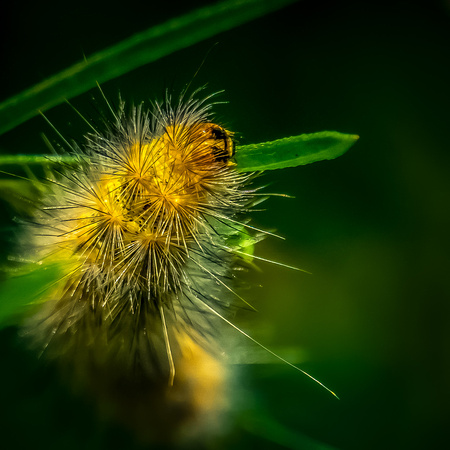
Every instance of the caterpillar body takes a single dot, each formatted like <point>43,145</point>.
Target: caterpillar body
<point>143,225</point>
<point>147,224</point>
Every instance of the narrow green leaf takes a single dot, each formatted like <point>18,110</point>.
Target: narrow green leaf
<point>293,151</point>
<point>260,423</point>
<point>22,195</point>
<point>6,160</point>
<point>287,152</point>
<point>21,290</point>
<point>140,49</point>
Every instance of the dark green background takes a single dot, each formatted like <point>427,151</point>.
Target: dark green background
<point>372,226</point>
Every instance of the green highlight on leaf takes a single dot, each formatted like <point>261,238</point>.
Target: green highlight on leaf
<point>142,48</point>
<point>259,422</point>
<point>293,151</point>
<point>43,160</point>
<point>25,288</point>
<point>20,194</point>
<point>279,154</point>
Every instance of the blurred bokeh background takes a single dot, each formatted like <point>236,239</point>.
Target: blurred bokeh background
<point>372,321</point>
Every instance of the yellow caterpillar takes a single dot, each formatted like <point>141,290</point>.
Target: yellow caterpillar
<point>134,247</point>
<point>142,225</point>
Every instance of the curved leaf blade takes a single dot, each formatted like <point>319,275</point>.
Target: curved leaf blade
<point>293,151</point>
<point>42,160</point>
<point>260,423</point>
<point>286,152</point>
<point>131,53</point>
<point>24,289</point>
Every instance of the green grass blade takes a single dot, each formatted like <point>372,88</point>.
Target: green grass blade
<point>6,160</point>
<point>287,152</point>
<point>140,49</point>
<point>19,291</point>
<point>21,194</point>
<point>260,423</point>
<point>293,151</point>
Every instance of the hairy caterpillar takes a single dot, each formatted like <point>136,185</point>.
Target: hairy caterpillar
<point>142,224</point>
<point>146,226</point>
